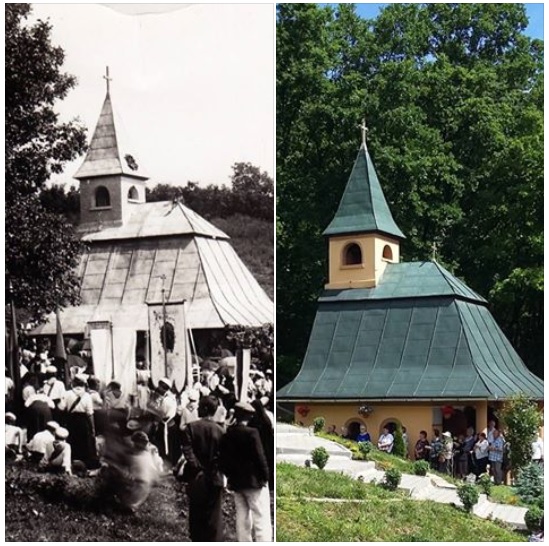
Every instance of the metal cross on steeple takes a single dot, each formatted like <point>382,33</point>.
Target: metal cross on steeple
<point>108,79</point>
<point>364,130</point>
<point>434,249</point>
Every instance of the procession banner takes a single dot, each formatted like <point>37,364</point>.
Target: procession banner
<point>124,343</point>
<point>101,349</point>
<point>168,342</point>
<point>242,374</point>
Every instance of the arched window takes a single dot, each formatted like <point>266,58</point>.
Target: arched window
<point>387,252</point>
<point>102,197</point>
<point>352,254</point>
<point>132,194</point>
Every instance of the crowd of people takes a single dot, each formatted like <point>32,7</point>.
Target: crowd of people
<point>210,439</point>
<point>464,455</point>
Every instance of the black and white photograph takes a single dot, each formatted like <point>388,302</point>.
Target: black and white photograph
<point>139,272</point>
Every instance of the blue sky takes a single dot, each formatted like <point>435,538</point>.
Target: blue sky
<point>534,11</point>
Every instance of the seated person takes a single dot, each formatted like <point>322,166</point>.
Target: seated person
<point>14,436</point>
<point>60,457</point>
<point>386,440</point>
<point>41,444</point>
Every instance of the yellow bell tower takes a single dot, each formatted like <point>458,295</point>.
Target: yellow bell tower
<point>363,236</point>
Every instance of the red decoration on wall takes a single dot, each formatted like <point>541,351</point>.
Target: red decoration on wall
<point>447,412</point>
<point>303,410</point>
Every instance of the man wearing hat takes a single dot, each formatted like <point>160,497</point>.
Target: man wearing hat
<point>243,461</point>
<point>189,410</point>
<point>200,446</point>
<point>59,460</point>
<point>41,443</point>
<point>77,407</point>
<point>54,389</point>
<point>162,408</point>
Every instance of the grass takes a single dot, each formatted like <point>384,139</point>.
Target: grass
<point>506,495</point>
<point>383,516</point>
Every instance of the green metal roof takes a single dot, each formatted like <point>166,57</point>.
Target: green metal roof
<point>429,346</point>
<point>363,207</point>
<point>408,280</point>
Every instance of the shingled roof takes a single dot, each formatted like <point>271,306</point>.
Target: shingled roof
<point>363,207</point>
<point>421,334</point>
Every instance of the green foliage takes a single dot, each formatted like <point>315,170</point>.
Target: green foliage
<point>453,97</point>
<point>320,457</point>
<point>260,341</point>
<point>421,468</point>
<point>399,447</point>
<point>485,483</point>
<point>365,448</point>
<point>392,478</point>
<point>521,420</point>
<point>468,495</point>
<point>529,483</point>
<point>318,424</point>
<point>534,519</point>
<point>41,248</point>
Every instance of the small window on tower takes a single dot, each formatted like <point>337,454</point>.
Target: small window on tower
<point>352,255</point>
<point>102,197</point>
<point>132,194</point>
<point>387,252</point>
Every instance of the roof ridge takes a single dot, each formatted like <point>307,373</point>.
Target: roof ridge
<point>449,281</point>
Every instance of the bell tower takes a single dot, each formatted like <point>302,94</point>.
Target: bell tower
<point>111,179</point>
<point>363,236</point>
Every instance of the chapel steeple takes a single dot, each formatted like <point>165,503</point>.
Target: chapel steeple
<point>111,178</point>
<point>363,236</point>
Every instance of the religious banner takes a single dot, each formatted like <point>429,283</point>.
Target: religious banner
<point>168,343</point>
<point>101,349</point>
<point>242,374</point>
<point>124,368</point>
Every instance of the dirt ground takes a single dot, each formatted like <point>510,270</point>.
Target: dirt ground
<point>45,508</point>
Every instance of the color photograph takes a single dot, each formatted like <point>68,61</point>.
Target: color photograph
<point>409,292</point>
<point>139,275</point>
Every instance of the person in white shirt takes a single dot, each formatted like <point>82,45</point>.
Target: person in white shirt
<point>480,450</point>
<point>537,451</point>
<point>41,444</point>
<point>386,440</point>
<point>162,407</point>
<point>54,389</point>
<point>189,409</point>
<point>14,434</point>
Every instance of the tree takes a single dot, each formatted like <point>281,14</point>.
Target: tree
<point>452,94</point>
<point>41,250</point>
<point>521,420</point>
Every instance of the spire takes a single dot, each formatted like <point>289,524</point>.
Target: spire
<point>363,207</point>
<point>106,156</point>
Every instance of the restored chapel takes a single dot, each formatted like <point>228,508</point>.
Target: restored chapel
<point>398,342</point>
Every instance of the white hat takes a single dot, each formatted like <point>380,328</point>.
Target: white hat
<point>51,369</point>
<point>447,434</point>
<point>244,407</point>
<point>166,381</point>
<point>194,396</point>
<point>11,416</point>
<point>62,433</point>
<point>53,425</point>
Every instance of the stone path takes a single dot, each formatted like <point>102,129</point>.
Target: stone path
<point>294,445</point>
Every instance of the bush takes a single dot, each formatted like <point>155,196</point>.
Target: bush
<point>534,519</point>
<point>485,483</point>
<point>529,484</point>
<point>399,447</point>
<point>318,424</point>
<point>392,479</point>
<point>320,457</point>
<point>365,448</point>
<point>421,468</point>
<point>468,495</point>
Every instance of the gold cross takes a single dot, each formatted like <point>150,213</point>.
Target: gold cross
<point>107,78</point>
<point>364,130</point>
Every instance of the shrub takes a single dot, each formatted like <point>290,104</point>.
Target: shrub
<point>485,483</point>
<point>392,479</point>
<point>320,457</point>
<point>399,447</point>
<point>521,419</point>
<point>318,424</point>
<point>365,448</point>
<point>421,468</point>
<point>468,495</point>
<point>534,519</point>
<point>529,483</point>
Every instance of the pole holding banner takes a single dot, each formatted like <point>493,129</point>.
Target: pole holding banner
<point>242,374</point>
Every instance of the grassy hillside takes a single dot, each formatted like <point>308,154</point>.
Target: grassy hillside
<point>253,241</point>
<point>379,516</point>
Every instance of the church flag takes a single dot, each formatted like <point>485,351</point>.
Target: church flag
<point>124,368</point>
<point>242,374</point>
<point>101,349</point>
<point>168,342</point>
